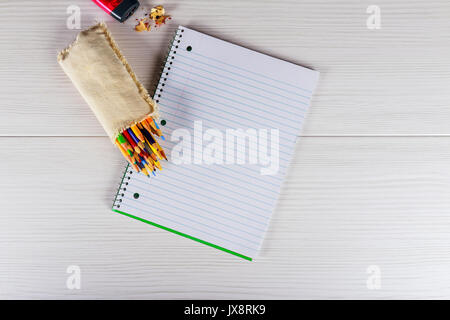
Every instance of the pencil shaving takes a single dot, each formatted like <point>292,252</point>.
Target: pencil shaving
<point>157,15</point>
<point>142,25</point>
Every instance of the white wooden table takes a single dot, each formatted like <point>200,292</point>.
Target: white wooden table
<point>369,184</point>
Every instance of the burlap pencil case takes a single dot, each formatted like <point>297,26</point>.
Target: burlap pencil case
<point>104,78</point>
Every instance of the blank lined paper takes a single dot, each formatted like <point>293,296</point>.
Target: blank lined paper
<point>210,84</point>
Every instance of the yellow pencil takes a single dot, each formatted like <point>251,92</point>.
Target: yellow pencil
<point>152,155</point>
<point>160,150</point>
<point>144,171</point>
<point>158,165</point>
<point>153,149</point>
<point>137,132</point>
<point>154,162</point>
<point>138,135</point>
<point>147,167</point>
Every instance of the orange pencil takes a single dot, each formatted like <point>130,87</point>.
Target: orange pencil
<point>150,164</point>
<point>126,156</point>
<point>135,158</point>
<point>153,128</point>
<point>152,160</point>
<point>144,124</point>
<point>148,125</point>
<point>151,122</point>
<point>147,167</point>
<point>158,129</point>
<point>144,171</point>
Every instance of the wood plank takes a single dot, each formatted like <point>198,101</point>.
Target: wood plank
<point>392,81</point>
<point>347,203</point>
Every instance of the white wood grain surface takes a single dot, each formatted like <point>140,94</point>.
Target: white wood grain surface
<point>392,81</point>
<point>346,204</point>
<point>369,184</point>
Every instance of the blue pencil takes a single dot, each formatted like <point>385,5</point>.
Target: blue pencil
<point>131,133</point>
<point>157,127</point>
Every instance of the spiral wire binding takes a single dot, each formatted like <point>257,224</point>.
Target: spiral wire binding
<point>171,52</point>
<point>122,187</point>
<point>163,73</point>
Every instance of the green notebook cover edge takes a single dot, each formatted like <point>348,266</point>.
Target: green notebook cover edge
<point>184,235</point>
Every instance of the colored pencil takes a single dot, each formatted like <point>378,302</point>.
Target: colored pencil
<point>152,122</point>
<point>145,125</point>
<point>126,156</point>
<point>131,141</point>
<point>136,140</point>
<point>121,139</point>
<point>156,146</point>
<point>137,132</point>
<point>140,148</point>
<point>151,141</point>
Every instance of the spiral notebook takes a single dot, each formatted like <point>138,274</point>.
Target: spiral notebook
<point>232,117</point>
